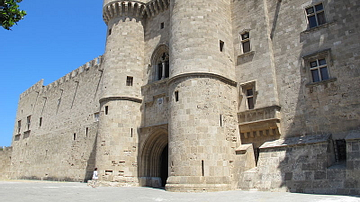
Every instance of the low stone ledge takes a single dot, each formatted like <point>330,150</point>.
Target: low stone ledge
<point>242,149</point>
<point>355,135</point>
<point>293,141</point>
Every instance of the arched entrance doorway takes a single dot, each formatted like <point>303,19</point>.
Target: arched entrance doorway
<point>154,160</point>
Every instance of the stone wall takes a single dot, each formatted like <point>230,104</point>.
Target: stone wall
<point>56,127</point>
<point>329,106</point>
<point>5,162</point>
<point>305,165</point>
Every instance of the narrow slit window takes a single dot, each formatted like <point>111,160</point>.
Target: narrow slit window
<point>176,96</point>
<point>86,131</point>
<point>109,32</point>
<point>221,120</point>
<point>28,121</point>
<point>106,110</point>
<point>245,42</point>
<point>202,168</point>
<point>74,136</point>
<point>222,44</point>
<point>40,122</point>
<point>129,81</point>
<point>19,126</point>
<point>131,132</point>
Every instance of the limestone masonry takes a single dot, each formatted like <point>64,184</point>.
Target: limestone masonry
<point>204,95</point>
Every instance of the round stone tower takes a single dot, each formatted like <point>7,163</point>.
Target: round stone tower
<point>203,125</point>
<point>120,100</point>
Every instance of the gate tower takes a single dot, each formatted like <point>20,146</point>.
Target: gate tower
<point>120,99</point>
<point>203,124</point>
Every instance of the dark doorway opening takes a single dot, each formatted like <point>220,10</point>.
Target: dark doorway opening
<point>164,166</point>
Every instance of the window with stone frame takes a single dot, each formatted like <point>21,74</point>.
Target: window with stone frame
<point>162,68</point>
<point>250,98</point>
<point>317,65</point>
<point>319,70</point>
<point>249,92</point>
<point>245,42</point>
<point>28,122</point>
<point>315,15</point>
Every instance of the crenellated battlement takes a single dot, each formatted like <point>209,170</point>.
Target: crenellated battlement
<point>133,9</point>
<point>5,148</point>
<point>39,86</point>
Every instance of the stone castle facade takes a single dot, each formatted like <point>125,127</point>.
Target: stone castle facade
<point>204,95</point>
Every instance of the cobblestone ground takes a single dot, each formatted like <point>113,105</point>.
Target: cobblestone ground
<point>39,191</point>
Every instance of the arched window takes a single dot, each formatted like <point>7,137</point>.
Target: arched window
<point>160,63</point>
<point>162,69</point>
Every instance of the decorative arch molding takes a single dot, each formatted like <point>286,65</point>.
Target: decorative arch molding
<point>150,155</point>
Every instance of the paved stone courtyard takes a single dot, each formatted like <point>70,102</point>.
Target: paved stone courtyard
<point>39,191</point>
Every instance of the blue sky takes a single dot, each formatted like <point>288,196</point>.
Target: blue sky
<point>54,38</point>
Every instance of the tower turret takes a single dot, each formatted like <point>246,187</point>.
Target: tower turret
<point>203,125</point>
<point>120,99</point>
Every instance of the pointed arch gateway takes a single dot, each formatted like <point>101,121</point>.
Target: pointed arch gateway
<point>153,170</point>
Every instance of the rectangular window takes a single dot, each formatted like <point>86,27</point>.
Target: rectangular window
<point>19,126</point>
<point>162,25</point>
<point>340,150</point>
<point>319,70</point>
<point>250,98</point>
<point>17,137</point>
<point>315,15</point>
<point>129,81</point>
<point>28,121</point>
<point>96,117</point>
<point>245,42</point>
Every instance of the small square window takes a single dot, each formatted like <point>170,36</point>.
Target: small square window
<point>315,15</point>
<point>129,81</point>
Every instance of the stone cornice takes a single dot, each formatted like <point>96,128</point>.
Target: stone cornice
<point>134,9</point>
<point>133,99</point>
<point>203,74</point>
